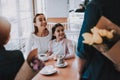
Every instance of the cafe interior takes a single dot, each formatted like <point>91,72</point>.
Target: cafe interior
<point>20,14</point>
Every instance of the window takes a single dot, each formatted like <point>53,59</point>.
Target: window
<point>19,13</point>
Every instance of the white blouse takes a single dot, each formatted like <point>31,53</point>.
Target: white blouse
<point>65,47</point>
<point>58,47</point>
<point>38,42</point>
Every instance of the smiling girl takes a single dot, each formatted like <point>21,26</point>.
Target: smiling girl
<point>59,45</point>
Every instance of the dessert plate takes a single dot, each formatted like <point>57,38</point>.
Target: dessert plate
<point>48,70</point>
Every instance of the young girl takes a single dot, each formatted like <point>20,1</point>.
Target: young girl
<point>59,45</point>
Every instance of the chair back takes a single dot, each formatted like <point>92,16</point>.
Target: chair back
<point>32,54</point>
<point>26,72</point>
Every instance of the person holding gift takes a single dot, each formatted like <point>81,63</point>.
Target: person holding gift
<point>92,64</point>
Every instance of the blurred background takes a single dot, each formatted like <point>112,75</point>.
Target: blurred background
<point>20,13</point>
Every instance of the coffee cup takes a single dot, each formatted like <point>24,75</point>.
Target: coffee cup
<point>60,60</point>
<point>43,57</point>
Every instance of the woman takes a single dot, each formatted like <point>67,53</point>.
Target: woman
<point>10,60</point>
<point>92,64</point>
<point>40,37</point>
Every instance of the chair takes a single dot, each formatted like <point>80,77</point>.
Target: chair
<point>26,72</point>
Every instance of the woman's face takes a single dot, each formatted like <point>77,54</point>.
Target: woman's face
<point>59,33</point>
<point>40,21</point>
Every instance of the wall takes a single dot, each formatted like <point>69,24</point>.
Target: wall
<point>56,8</point>
<point>74,4</point>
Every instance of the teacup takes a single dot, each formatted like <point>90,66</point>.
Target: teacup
<point>43,57</point>
<point>60,60</point>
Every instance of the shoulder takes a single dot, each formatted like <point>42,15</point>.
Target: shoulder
<point>67,41</point>
<point>31,35</point>
<point>18,55</point>
<point>52,41</point>
<point>94,4</point>
<point>14,51</point>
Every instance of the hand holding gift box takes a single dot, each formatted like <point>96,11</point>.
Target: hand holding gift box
<point>96,36</point>
<point>105,31</point>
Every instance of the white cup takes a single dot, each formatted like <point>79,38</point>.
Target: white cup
<point>60,59</point>
<point>43,57</point>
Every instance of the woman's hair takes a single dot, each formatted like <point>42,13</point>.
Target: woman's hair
<point>34,21</point>
<point>4,30</point>
<point>54,28</point>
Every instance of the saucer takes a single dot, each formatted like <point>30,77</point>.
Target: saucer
<point>48,70</point>
<point>61,65</point>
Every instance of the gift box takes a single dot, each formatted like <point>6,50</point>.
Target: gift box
<point>112,52</point>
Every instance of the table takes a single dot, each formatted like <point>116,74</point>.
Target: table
<point>67,73</point>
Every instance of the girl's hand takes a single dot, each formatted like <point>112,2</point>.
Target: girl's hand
<point>55,56</point>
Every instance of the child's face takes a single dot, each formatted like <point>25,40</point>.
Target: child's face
<point>41,21</point>
<point>59,33</point>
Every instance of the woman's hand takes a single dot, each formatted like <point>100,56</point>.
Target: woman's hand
<point>53,56</point>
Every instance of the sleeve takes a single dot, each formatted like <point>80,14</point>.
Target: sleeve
<point>91,17</point>
<point>10,63</point>
<point>50,46</point>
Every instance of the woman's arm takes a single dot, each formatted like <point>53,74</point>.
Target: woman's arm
<point>28,46</point>
<point>49,50</point>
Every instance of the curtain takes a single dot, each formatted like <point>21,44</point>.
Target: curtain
<point>20,15</point>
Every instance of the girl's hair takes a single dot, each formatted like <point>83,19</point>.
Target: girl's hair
<point>34,21</point>
<point>54,28</point>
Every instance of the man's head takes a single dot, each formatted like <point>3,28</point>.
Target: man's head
<point>4,31</point>
<point>81,6</point>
